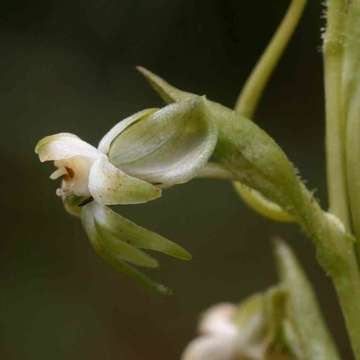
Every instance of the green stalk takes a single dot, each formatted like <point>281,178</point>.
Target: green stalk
<point>351,106</point>
<point>255,160</point>
<point>347,287</point>
<point>342,145</point>
<point>254,87</point>
<point>267,169</point>
<point>335,117</point>
<point>251,94</point>
<point>353,157</point>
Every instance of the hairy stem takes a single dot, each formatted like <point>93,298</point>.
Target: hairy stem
<point>251,94</point>
<point>267,169</point>
<point>351,106</point>
<point>335,117</point>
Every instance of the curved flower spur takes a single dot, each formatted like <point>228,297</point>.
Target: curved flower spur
<point>146,152</point>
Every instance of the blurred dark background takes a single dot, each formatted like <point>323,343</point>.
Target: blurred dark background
<point>69,66</point>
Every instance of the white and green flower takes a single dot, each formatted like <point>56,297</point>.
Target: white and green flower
<point>218,335</point>
<point>141,155</point>
<point>252,330</point>
<point>88,173</point>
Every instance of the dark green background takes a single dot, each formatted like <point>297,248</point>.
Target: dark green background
<point>69,66</point>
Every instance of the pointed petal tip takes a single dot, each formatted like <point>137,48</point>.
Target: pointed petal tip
<point>166,91</point>
<point>119,249</point>
<point>184,255</point>
<point>145,72</point>
<point>163,290</point>
<point>140,68</point>
<point>280,246</point>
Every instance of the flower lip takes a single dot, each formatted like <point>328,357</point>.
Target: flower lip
<point>73,159</point>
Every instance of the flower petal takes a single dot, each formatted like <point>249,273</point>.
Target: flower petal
<point>102,249</point>
<point>136,235</point>
<point>110,186</point>
<point>106,141</point>
<point>64,146</point>
<point>169,147</point>
<point>120,249</point>
<point>211,348</point>
<point>219,320</point>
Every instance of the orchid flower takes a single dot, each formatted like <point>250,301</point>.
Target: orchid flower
<point>88,173</point>
<point>230,332</point>
<point>148,151</point>
<point>218,333</point>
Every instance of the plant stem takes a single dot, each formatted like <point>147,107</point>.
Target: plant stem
<point>266,169</point>
<point>254,87</point>
<point>351,106</point>
<point>335,117</point>
<point>339,78</point>
<point>347,286</point>
<point>251,94</point>
<point>353,170</point>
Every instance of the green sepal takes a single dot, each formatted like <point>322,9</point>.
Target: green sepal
<point>302,310</point>
<point>264,168</point>
<point>102,248</point>
<point>136,235</point>
<point>120,249</point>
<point>168,147</point>
<point>136,275</point>
<point>166,91</point>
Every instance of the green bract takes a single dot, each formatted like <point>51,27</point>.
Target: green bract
<point>304,328</point>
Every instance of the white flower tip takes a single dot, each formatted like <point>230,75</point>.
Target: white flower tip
<point>48,147</point>
<point>211,348</point>
<point>218,319</point>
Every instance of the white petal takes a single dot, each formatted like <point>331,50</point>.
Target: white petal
<point>110,186</point>
<point>169,147</point>
<point>64,146</point>
<point>211,348</point>
<point>219,320</point>
<point>106,141</point>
